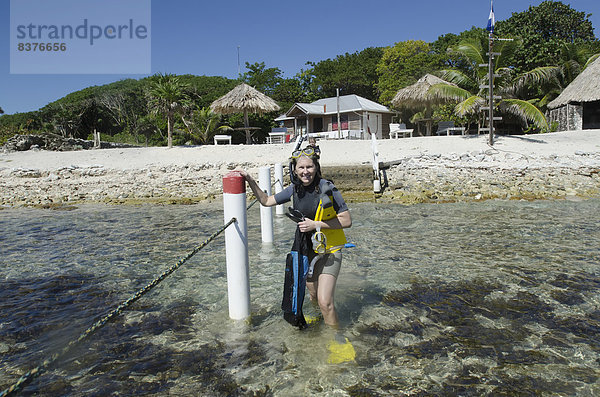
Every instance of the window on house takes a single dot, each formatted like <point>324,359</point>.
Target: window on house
<point>343,118</point>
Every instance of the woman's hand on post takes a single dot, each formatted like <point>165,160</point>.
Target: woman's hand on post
<point>262,197</point>
<point>242,173</point>
<point>247,177</point>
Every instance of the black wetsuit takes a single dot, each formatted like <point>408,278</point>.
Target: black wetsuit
<point>306,200</point>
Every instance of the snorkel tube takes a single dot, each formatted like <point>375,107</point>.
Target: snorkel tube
<point>293,178</point>
<point>298,142</point>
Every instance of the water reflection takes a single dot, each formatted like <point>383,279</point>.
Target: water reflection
<point>458,299</point>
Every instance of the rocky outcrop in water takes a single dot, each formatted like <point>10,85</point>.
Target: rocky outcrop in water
<point>19,143</point>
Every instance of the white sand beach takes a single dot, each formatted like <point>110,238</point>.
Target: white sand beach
<point>446,168</point>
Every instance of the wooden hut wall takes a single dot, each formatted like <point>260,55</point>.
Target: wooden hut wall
<point>568,117</point>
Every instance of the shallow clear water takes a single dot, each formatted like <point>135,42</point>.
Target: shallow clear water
<point>460,299</point>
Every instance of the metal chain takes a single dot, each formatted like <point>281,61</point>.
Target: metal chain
<point>37,371</point>
<point>40,369</point>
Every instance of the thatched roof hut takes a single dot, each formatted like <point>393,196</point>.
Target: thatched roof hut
<point>244,99</point>
<point>584,88</point>
<point>578,106</point>
<point>417,96</point>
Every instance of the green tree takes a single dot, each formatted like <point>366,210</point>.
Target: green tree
<point>202,125</point>
<point>271,82</point>
<point>1,110</point>
<point>545,83</point>
<point>288,92</point>
<point>91,117</point>
<point>262,78</point>
<point>149,127</point>
<point>354,73</point>
<point>304,78</point>
<point>448,41</point>
<point>168,96</point>
<point>19,123</point>
<point>403,64</point>
<point>471,86</point>
<point>543,30</point>
<point>126,109</point>
<point>119,109</point>
<point>65,117</point>
<point>207,89</point>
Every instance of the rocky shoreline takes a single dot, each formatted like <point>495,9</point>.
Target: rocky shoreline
<point>20,143</point>
<point>494,175</point>
<point>421,178</point>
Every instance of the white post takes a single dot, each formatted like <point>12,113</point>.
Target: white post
<point>279,209</point>
<point>236,245</point>
<point>266,213</point>
<point>376,181</point>
<point>96,139</point>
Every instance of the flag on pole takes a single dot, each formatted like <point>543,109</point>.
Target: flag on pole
<point>491,20</point>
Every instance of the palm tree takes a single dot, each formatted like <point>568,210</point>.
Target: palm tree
<point>471,84</point>
<point>202,124</point>
<point>66,118</point>
<point>168,96</point>
<point>548,82</point>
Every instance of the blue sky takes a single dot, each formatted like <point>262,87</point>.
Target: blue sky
<point>201,38</point>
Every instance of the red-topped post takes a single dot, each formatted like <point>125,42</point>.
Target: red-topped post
<point>236,245</point>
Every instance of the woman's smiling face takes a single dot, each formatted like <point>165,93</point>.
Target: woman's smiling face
<point>305,170</point>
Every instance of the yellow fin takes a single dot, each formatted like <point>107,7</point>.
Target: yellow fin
<point>311,320</point>
<point>340,352</point>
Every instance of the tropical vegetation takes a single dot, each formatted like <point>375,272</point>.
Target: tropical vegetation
<point>553,43</point>
<point>471,84</point>
<point>169,95</point>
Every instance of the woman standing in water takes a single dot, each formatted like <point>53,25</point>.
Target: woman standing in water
<point>308,189</point>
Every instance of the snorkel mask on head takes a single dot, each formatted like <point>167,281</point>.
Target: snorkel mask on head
<point>309,151</point>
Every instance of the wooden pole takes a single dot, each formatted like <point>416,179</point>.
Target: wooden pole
<point>247,124</point>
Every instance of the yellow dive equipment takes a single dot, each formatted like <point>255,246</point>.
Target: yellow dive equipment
<point>327,240</point>
<point>340,350</point>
